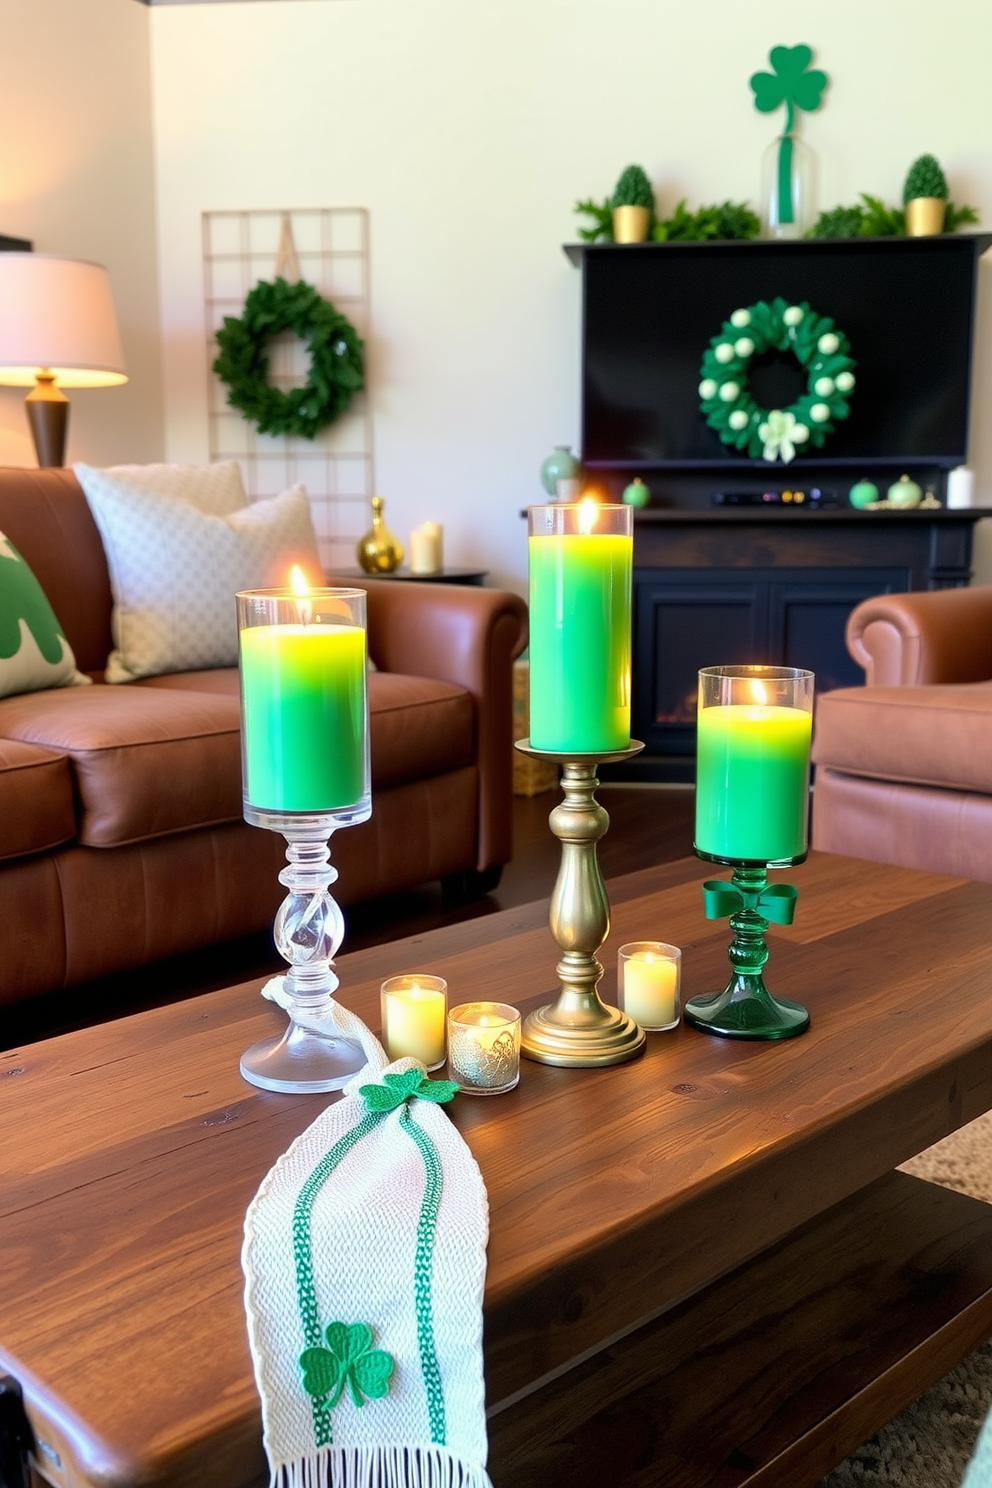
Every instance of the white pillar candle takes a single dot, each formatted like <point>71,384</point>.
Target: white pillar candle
<point>426,543</point>
<point>413,1018</point>
<point>960,487</point>
<point>648,983</point>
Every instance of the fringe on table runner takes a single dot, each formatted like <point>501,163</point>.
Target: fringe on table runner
<point>380,1467</point>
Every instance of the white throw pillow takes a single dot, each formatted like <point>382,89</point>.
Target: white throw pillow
<point>217,489</point>
<point>174,571</point>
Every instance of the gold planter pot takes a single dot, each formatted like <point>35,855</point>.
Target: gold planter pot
<point>925,216</point>
<point>630,224</point>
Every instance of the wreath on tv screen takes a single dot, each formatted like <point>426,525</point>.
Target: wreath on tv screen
<point>823,352</point>
<point>336,359</point>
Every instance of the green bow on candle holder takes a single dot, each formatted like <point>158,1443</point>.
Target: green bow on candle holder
<point>776,903</point>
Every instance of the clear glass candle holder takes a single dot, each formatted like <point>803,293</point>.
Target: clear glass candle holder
<point>484,1047</point>
<point>649,974</point>
<point>753,733</point>
<point>414,1009</point>
<point>305,770</point>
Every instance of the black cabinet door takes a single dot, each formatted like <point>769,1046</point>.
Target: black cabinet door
<point>685,619</point>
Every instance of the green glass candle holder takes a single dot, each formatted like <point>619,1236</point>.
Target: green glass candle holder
<point>752,800</point>
<point>745,1009</point>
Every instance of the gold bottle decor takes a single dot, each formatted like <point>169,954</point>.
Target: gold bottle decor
<point>379,551</point>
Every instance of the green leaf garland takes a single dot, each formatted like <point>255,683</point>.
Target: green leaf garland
<point>336,359</point>
<point>823,352</point>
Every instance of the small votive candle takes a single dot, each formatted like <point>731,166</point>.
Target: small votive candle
<point>484,1047</point>
<point>648,976</point>
<point>413,1012</point>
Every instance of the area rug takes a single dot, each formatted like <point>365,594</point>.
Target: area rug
<point>931,1443</point>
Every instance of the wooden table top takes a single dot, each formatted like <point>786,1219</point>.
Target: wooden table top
<point>130,1152</point>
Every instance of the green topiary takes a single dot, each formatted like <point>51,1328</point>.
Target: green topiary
<point>924,178</point>
<point>633,189</point>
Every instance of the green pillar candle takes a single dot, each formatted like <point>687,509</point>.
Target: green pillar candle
<point>752,781</point>
<point>303,696</point>
<point>581,563</point>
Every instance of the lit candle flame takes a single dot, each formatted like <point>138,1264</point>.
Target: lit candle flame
<point>587,515</point>
<point>300,587</point>
<point>759,692</point>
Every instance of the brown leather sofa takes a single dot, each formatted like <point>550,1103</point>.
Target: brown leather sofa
<point>121,835</point>
<point>904,764</point>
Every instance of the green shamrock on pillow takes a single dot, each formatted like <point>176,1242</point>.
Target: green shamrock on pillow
<point>24,600</point>
<point>349,1360</point>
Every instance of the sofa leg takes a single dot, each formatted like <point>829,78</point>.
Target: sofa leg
<point>468,885</point>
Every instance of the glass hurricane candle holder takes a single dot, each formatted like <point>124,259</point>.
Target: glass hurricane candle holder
<point>648,977</point>
<point>414,1011</point>
<point>752,803</point>
<point>305,768</point>
<point>484,1047</point>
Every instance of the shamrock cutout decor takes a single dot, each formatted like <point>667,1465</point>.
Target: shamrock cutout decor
<point>791,84</point>
<point>348,1360</point>
<point>398,1089</point>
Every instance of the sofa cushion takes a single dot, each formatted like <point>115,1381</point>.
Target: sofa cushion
<point>418,726</point>
<point>34,654</point>
<point>939,735</point>
<point>145,762</point>
<point>174,571</point>
<point>216,488</point>
<point>36,806</point>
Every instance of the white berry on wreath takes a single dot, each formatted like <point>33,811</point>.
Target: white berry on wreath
<point>740,319</point>
<point>729,392</point>
<point>844,381</point>
<point>800,433</point>
<point>738,419</point>
<point>744,347</point>
<point>819,413</point>
<point>824,386</point>
<point>707,388</point>
<point>724,352</point>
<point>829,343</point>
<point>794,315</point>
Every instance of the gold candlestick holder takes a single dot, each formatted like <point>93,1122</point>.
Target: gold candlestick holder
<point>578,1030</point>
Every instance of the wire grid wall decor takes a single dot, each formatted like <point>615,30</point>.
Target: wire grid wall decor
<point>328,248</point>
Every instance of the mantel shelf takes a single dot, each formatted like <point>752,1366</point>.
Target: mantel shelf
<point>576,252</point>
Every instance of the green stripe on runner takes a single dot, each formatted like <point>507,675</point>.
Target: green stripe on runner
<point>423,1267</point>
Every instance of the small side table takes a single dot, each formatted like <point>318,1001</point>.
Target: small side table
<point>474,576</point>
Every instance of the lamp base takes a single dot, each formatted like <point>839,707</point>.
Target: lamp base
<point>48,414</point>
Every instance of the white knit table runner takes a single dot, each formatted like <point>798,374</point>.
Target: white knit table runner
<point>364,1260</point>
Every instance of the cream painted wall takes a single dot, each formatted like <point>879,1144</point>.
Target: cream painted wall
<point>76,177</point>
<point>469,130</point>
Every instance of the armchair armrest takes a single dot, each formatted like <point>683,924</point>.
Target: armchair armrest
<point>468,636</point>
<point>926,636</point>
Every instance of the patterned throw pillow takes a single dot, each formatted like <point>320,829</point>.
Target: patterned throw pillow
<point>174,571</point>
<point>217,488</point>
<point>34,654</point>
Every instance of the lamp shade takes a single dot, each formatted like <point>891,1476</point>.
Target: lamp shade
<point>57,316</point>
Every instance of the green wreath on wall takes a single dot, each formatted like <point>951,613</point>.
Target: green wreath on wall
<point>823,352</point>
<point>336,359</point>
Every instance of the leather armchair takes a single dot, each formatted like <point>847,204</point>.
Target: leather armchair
<point>904,764</point>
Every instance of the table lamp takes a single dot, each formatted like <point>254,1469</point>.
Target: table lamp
<point>57,329</point>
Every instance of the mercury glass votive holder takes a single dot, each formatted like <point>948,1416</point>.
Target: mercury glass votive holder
<point>648,981</point>
<point>484,1047</point>
<point>413,1011</point>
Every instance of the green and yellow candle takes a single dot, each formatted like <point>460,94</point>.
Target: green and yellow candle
<point>581,569</point>
<point>752,763</point>
<point>304,702</point>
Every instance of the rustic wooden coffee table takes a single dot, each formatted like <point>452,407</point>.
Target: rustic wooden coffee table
<point>702,1268</point>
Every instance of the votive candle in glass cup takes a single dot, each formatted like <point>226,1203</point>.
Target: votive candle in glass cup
<point>484,1047</point>
<point>648,978</point>
<point>580,559</point>
<point>413,1017</point>
<point>752,764</point>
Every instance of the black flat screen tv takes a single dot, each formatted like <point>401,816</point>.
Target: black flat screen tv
<point>906,306</point>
